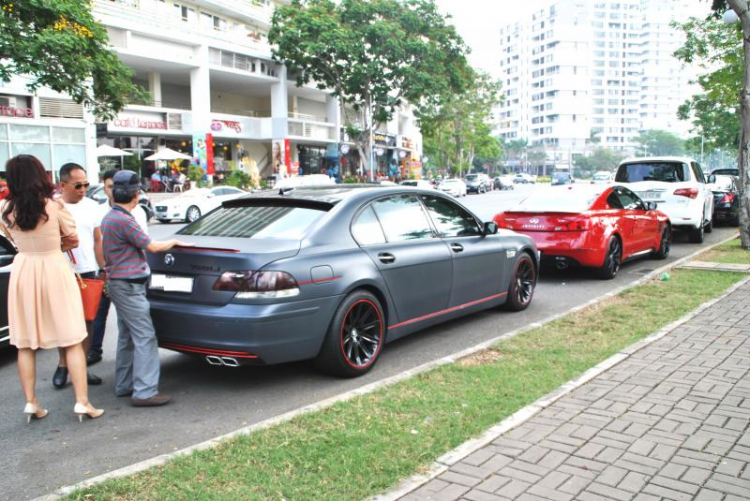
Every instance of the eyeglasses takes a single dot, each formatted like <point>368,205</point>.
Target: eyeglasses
<point>78,186</point>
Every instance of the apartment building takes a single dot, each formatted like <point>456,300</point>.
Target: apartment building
<point>582,72</point>
<point>207,66</point>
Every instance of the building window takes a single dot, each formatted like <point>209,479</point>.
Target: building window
<point>187,14</point>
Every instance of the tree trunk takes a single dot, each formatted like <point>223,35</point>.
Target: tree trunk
<point>740,7</point>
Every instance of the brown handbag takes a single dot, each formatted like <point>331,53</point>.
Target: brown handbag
<point>91,292</point>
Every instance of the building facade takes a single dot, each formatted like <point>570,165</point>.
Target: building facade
<point>578,73</point>
<point>212,84</point>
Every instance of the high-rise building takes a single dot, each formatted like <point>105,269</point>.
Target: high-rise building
<point>207,67</point>
<point>583,72</point>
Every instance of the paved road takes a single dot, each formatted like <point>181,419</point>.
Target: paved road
<point>670,422</point>
<point>210,401</point>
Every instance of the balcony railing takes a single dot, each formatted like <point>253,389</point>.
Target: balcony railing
<point>308,118</point>
<point>240,112</point>
<point>160,104</point>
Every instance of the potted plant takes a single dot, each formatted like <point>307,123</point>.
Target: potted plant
<point>195,173</point>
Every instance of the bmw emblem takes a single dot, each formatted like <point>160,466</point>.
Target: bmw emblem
<point>169,260</point>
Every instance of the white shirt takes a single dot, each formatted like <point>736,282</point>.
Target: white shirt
<point>139,213</point>
<point>87,216</point>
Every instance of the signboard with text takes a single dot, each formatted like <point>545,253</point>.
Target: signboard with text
<point>139,120</point>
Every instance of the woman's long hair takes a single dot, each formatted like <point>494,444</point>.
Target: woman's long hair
<point>29,190</point>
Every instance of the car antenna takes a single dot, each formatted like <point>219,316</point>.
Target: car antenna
<point>284,191</point>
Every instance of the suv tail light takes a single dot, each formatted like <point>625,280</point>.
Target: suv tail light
<point>686,192</point>
<point>258,284</point>
<point>728,198</point>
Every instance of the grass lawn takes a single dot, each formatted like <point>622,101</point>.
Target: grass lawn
<point>729,252</point>
<point>364,446</point>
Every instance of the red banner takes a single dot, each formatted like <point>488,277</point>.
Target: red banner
<point>210,154</point>
<point>288,155</point>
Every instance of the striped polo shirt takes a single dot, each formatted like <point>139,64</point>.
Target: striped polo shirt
<point>124,245</point>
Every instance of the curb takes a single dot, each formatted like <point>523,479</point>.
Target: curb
<point>451,457</point>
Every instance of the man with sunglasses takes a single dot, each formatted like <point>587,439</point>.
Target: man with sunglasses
<point>87,216</point>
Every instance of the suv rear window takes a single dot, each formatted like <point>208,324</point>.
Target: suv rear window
<point>669,172</point>
<point>272,221</point>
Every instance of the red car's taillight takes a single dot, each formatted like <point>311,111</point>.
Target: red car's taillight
<point>502,222</point>
<point>572,225</point>
<point>686,192</point>
<point>258,284</point>
<point>728,198</point>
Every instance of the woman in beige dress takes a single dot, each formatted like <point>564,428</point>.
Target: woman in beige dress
<point>44,302</point>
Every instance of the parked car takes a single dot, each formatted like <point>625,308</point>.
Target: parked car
<point>96,193</point>
<point>503,183</point>
<point>194,203</point>
<point>454,187</point>
<point>602,177</point>
<point>331,274</point>
<point>418,183</point>
<point>7,253</point>
<point>477,183</point>
<point>523,178</point>
<point>726,199</point>
<point>732,171</point>
<point>677,185</point>
<point>592,226</point>
<point>559,178</point>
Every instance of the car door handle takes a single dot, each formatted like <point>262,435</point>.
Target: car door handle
<point>457,247</point>
<point>386,258</point>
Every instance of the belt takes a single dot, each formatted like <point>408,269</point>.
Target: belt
<point>139,280</point>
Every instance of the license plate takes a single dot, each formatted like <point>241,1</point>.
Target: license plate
<point>650,195</point>
<point>169,283</point>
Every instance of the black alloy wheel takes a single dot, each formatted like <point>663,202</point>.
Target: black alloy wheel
<point>612,260</point>
<point>522,284</point>
<point>665,244</point>
<point>355,337</point>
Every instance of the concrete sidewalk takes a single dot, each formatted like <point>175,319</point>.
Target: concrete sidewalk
<point>670,422</point>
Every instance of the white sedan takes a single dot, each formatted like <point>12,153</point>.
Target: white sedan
<point>192,204</point>
<point>454,187</point>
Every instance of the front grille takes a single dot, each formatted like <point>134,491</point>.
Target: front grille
<point>161,208</point>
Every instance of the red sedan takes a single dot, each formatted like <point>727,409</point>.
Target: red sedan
<point>593,225</point>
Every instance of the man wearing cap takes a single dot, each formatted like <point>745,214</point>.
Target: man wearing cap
<point>137,361</point>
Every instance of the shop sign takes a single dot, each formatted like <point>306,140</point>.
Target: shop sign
<point>384,139</point>
<point>12,111</point>
<point>145,121</point>
<point>219,125</point>
<point>406,143</point>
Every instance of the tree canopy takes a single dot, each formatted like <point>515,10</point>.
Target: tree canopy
<point>658,143</point>
<point>373,54</point>
<point>60,45</point>
<point>600,159</point>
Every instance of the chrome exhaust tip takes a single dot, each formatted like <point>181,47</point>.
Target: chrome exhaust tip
<point>230,362</point>
<point>561,265</point>
<point>214,360</point>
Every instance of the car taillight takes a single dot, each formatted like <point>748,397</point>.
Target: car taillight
<point>728,198</point>
<point>503,222</point>
<point>572,225</point>
<point>258,284</point>
<point>686,192</point>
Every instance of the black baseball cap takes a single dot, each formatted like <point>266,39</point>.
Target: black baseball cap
<point>126,179</point>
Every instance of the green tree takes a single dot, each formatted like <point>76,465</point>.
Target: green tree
<point>459,127</point>
<point>60,45</point>
<point>716,48</point>
<point>599,159</point>
<point>373,54</point>
<point>658,143</point>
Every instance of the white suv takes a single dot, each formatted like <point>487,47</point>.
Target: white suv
<point>677,185</point>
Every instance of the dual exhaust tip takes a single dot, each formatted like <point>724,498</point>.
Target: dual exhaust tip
<point>225,361</point>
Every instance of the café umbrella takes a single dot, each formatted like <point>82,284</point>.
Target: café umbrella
<point>167,154</point>
<point>105,150</point>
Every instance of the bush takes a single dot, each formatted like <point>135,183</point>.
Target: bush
<point>350,180</point>
<point>196,173</point>
<point>237,178</point>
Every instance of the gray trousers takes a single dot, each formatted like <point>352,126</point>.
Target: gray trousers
<point>137,362</point>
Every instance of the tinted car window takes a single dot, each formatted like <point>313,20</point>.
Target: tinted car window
<point>614,201</point>
<point>698,173</point>
<point>670,172</point>
<point>450,219</point>
<point>366,229</point>
<point>402,218</point>
<point>628,200</point>
<point>255,222</point>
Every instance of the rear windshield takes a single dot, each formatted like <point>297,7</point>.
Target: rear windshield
<point>559,200</point>
<point>601,177</point>
<point>723,183</point>
<point>409,183</point>
<point>669,172</point>
<point>255,222</point>
<point>560,175</point>
<point>471,177</point>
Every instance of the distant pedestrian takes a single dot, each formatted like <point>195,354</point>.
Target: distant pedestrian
<point>44,302</point>
<point>125,243</point>
<point>86,260</point>
<point>100,322</point>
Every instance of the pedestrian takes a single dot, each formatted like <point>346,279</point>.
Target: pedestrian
<point>100,322</point>
<point>45,309</point>
<point>86,261</point>
<point>125,243</point>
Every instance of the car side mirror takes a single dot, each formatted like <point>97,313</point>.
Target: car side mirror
<point>711,179</point>
<point>650,205</point>
<point>490,228</point>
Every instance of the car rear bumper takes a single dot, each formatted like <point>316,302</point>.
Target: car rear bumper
<point>576,250</point>
<point>249,333</point>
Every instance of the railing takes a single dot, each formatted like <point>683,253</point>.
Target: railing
<point>243,113</point>
<point>160,104</point>
<point>227,59</point>
<point>310,130</point>
<point>309,118</point>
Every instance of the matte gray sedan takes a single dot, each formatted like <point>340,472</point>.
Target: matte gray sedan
<point>332,274</point>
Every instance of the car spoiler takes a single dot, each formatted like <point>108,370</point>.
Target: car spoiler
<point>278,201</point>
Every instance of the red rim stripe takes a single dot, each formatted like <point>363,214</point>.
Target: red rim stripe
<point>207,351</point>
<point>443,312</point>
